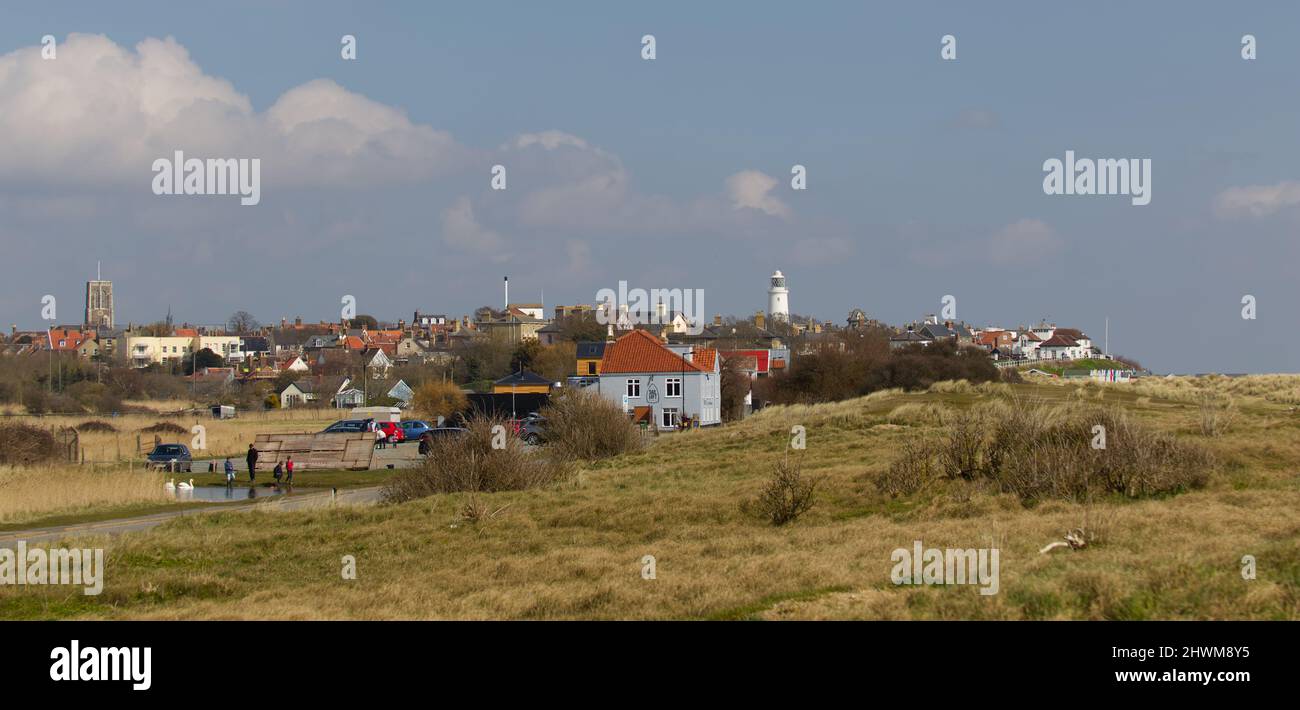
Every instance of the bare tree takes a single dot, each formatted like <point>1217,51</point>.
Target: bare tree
<point>242,322</point>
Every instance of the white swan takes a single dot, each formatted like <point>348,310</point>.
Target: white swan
<point>170,485</point>
<point>186,486</point>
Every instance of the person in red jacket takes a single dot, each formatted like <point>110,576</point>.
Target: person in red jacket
<point>288,469</point>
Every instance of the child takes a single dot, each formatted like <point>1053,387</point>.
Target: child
<point>230,472</point>
<point>288,468</point>
<point>278,472</point>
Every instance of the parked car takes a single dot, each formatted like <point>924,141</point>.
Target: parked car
<point>532,429</point>
<point>427,439</point>
<point>414,429</point>
<point>347,426</point>
<point>173,457</point>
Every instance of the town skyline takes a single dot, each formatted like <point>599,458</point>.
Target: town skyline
<point>922,177</point>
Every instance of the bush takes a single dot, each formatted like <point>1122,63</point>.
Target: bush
<point>164,428</point>
<point>786,495</point>
<point>1217,413</point>
<point>24,444</point>
<point>95,425</point>
<point>1039,453</point>
<point>582,425</point>
<point>439,399</point>
<point>470,462</point>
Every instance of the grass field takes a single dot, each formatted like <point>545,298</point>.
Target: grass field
<point>576,550</point>
<point>221,437</point>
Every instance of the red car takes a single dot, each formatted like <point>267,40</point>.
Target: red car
<point>393,431</point>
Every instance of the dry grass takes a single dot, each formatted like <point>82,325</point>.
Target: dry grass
<point>31,493</point>
<point>574,551</point>
<point>225,437</point>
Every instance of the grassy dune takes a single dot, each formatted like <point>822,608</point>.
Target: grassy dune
<point>575,550</point>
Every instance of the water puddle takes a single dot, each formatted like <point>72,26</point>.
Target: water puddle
<point>224,493</point>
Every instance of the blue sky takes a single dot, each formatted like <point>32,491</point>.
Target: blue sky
<point>918,169</point>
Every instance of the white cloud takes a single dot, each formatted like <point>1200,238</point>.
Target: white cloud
<point>101,113</point>
<point>1257,200</point>
<point>1027,241</point>
<point>752,189</point>
<point>462,231</point>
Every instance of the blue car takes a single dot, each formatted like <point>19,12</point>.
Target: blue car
<point>414,429</point>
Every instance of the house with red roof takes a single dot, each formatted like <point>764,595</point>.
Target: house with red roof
<point>663,386</point>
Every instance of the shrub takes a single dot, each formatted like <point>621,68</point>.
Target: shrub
<point>470,462</point>
<point>913,470</point>
<point>438,399</point>
<point>95,425</point>
<point>785,496</point>
<point>1040,453</point>
<point>584,426</point>
<point>164,428</point>
<point>1217,413</point>
<point>24,444</point>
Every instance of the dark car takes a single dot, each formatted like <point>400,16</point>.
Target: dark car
<point>414,429</point>
<point>347,426</point>
<point>173,457</point>
<point>532,429</point>
<point>432,435</point>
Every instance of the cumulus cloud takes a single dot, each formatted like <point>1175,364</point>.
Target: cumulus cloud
<point>1257,200</point>
<point>461,231</point>
<point>752,189</point>
<point>101,113</point>
<point>1027,241</point>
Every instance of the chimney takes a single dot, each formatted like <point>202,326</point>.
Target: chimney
<point>297,322</point>
<point>717,319</point>
<point>401,324</point>
<point>284,323</point>
<point>506,280</point>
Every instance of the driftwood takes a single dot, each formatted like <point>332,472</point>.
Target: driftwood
<point>1074,540</point>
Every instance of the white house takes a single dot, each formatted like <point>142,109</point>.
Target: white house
<point>661,387</point>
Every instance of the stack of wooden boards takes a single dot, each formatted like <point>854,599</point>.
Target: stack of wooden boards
<point>316,451</point>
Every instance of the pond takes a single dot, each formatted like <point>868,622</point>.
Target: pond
<point>223,493</point>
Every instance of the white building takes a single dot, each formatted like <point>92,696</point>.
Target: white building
<point>778,298</point>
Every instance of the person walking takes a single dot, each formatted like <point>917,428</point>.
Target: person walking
<point>230,472</point>
<point>288,470</point>
<point>252,464</point>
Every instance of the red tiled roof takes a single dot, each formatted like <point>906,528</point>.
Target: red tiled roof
<point>705,358</point>
<point>639,351</point>
<point>186,333</point>
<point>1059,341</point>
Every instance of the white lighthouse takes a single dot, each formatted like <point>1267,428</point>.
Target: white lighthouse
<point>778,298</point>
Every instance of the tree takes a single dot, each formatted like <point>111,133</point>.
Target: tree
<point>734,384</point>
<point>525,354</point>
<point>365,321</point>
<point>439,399</point>
<point>242,322</point>
<point>581,327</point>
<point>203,358</point>
<point>556,362</point>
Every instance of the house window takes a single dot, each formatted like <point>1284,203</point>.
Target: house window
<point>669,417</point>
<point>673,387</point>
<point>634,388</point>
<point>591,367</point>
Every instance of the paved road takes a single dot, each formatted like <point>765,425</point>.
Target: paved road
<point>292,501</point>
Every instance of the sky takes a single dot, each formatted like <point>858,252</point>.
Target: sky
<point>924,175</point>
